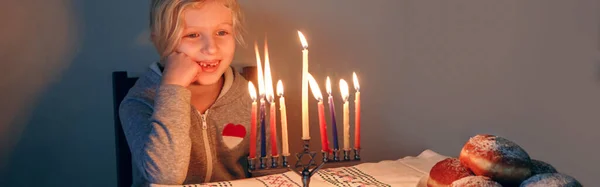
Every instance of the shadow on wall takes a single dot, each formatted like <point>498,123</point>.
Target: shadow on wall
<point>57,127</point>
<point>38,43</point>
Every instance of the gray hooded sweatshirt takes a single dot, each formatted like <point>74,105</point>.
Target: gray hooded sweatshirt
<point>172,143</point>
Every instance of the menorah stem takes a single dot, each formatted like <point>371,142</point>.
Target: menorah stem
<point>307,174</point>
<point>306,145</point>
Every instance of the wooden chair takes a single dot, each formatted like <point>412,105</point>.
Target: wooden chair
<point>121,85</point>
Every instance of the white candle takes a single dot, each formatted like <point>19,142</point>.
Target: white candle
<point>305,126</point>
<point>284,128</point>
<point>345,93</point>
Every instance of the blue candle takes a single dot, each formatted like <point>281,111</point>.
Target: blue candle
<point>263,131</point>
<point>332,111</point>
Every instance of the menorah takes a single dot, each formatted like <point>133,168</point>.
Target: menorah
<point>304,170</point>
<point>266,95</point>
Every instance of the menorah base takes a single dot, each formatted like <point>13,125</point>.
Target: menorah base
<point>258,167</point>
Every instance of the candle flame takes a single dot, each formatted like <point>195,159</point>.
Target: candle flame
<point>314,87</point>
<point>344,90</point>
<point>328,85</point>
<point>279,88</point>
<point>261,82</point>
<point>252,90</point>
<point>303,40</point>
<point>268,79</point>
<point>355,79</point>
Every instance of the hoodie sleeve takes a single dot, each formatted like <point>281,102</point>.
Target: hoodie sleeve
<point>159,137</point>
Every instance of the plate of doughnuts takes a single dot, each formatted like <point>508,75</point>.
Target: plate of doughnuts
<point>492,161</point>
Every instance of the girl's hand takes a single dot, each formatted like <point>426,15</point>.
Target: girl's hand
<point>180,69</point>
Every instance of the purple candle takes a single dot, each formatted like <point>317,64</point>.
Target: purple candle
<point>332,111</point>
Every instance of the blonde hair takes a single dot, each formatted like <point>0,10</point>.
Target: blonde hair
<point>166,26</point>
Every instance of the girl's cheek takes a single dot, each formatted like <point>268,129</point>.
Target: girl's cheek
<point>187,48</point>
<point>227,45</point>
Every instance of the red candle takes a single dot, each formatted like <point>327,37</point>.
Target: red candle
<point>271,99</point>
<point>323,125</point>
<point>356,113</point>
<point>314,87</point>
<point>252,91</point>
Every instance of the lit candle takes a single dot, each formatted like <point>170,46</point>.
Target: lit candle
<point>314,87</point>
<point>345,93</point>
<point>270,97</point>
<point>252,92</point>
<point>356,112</point>
<point>261,91</point>
<point>284,129</point>
<point>332,111</point>
<point>305,127</point>
<point>263,133</point>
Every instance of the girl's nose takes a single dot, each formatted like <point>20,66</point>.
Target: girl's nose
<point>209,46</point>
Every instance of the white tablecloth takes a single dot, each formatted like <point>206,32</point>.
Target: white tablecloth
<point>405,172</point>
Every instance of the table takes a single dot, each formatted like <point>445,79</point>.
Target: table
<point>404,172</point>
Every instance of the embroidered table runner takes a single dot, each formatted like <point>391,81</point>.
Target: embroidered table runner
<point>405,172</point>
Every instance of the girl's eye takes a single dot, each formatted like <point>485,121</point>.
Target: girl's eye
<point>193,35</point>
<point>222,33</point>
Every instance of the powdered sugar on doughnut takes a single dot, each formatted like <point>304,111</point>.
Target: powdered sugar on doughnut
<point>500,159</point>
<point>551,179</point>
<point>475,181</point>
<point>447,171</point>
<point>510,152</point>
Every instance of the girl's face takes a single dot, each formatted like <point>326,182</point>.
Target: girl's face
<point>208,39</point>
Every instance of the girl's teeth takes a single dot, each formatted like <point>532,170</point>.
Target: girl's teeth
<point>209,65</point>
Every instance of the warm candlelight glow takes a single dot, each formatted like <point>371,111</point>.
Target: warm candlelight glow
<point>314,87</point>
<point>344,90</point>
<point>279,88</point>
<point>261,82</point>
<point>305,126</point>
<point>328,85</point>
<point>346,110</point>
<point>252,90</point>
<point>303,40</point>
<point>355,79</point>
<point>268,80</point>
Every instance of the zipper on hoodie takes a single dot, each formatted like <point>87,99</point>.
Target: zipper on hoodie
<point>209,164</point>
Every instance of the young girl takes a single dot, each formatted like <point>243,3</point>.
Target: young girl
<point>186,118</point>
